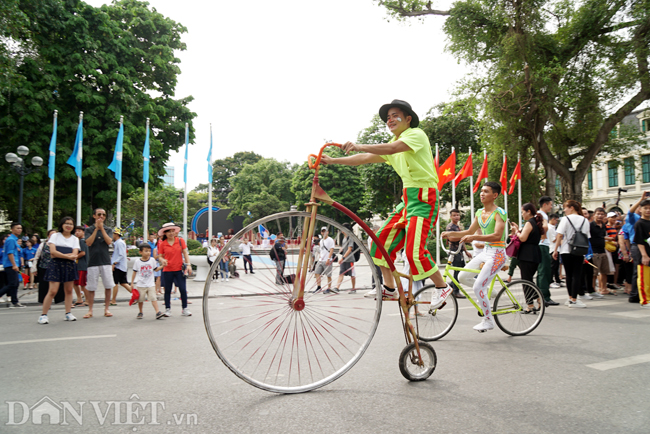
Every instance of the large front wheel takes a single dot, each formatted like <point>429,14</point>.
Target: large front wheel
<point>266,338</point>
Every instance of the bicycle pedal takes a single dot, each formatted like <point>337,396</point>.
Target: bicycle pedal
<point>481,331</point>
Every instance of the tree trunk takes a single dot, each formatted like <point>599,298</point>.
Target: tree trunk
<point>550,180</point>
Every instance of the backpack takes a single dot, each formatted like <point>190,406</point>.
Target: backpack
<point>579,243</point>
<point>357,252</point>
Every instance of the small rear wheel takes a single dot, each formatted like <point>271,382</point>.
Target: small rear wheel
<point>416,367</point>
<point>433,324</point>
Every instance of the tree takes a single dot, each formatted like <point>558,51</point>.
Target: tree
<point>165,205</point>
<point>262,188</point>
<point>226,168</point>
<point>559,76</point>
<point>109,61</point>
<point>342,183</point>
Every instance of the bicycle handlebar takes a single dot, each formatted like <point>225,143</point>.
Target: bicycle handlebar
<point>460,246</point>
<point>319,156</point>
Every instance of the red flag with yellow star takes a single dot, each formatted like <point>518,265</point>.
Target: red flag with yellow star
<point>483,174</point>
<point>447,171</point>
<point>516,175</point>
<point>503,179</point>
<point>466,171</point>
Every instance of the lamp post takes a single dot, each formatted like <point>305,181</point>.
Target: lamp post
<point>19,166</point>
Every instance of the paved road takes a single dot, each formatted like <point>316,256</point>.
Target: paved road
<point>549,382</point>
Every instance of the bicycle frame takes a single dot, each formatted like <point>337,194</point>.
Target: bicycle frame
<point>320,195</point>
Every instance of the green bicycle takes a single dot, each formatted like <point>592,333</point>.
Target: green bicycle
<point>511,307</point>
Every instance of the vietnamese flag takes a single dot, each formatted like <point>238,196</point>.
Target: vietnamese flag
<point>503,179</point>
<point>436,161</point>
<point>447,171</point>
<point>466,171</point>
<point>516,175</point>
<point>483,174</point>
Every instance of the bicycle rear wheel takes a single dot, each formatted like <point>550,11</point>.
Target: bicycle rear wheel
<point>510,306</point>
<point>258,334</point>
<point>433,324</point>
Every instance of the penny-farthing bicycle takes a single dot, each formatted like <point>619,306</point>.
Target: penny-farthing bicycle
<point>276,331</point>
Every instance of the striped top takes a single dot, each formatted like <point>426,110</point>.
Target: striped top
<point>488,226</point>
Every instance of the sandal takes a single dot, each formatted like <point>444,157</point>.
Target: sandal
<point>79,304</point>
<point>88,315</point>
<point>108,314</point>
<point>113,304</point>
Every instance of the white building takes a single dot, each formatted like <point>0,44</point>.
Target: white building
<point>630,173</point>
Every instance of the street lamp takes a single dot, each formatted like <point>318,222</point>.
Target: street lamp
<point>19,166</point>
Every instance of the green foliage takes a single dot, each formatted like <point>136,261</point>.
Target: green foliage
<point>262,188</point>
<point>109,61</point>
<point>193,244</point>
<point>164,206</point>
<point>342,183</point>
<point>225,169</point>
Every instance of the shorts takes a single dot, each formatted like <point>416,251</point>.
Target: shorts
<point>601,261</point>
<point>149,293</point>
<point>119,277</point>
<point>321,269</point>
<point>346,269</point>
<point>408,227</point>
<point>82,281</point>
<point>106,273</point>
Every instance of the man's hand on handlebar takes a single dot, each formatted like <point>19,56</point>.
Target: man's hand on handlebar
<point>468,238</point>
<point>326,159</point>
<point>349,147</point>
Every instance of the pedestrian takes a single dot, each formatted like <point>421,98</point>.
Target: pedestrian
<point>98,238</point>
<point>28,256</point>
<point>571,223</point>
<point>143,279</point>
<point>346,265</point>
<point>530,252</point>
<point>82,268</point>
<point>43,259</point>
<point>246,247</point>
<point>3,276</point>
<point>624,242</point>
<point>279,256</point>
<point>545,269</point>
<point>612,249</point>
<point>325,260</point>
<point>64,248</point>
<point>459,259</point>
<point>153,243</point>
<point>119,265</point>
<point>600,257</point>
<point>642,240</point>
<point>213,252</point>
<point>223,263</point>
<point>553,220</point>
<point>11,264</point>
<point>171,251</point>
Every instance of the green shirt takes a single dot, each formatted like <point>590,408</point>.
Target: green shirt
<point>489,226</point>
<point>415,167</point>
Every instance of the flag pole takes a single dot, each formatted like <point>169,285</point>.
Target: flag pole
<point>471,190</point>
<point>505,193</point>
<point>145,223</point>
<point>50,203</point>
<point>81,118</point>
<point>187,136</point>
<point>210,192</point>
<point>519,186</point>
<point>437,227</point>
<point>119,186</point>
<point>453,185</point>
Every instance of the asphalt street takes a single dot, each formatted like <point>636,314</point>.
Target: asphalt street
<point>582,371</point>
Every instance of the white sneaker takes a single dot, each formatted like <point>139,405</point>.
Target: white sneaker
<point>596,295</point>
<point>70,317</point>
<point>390,295</point>
<point>645,306</point>
<point>567,302</point>
<point>43,319</point>
<point>222,279</point>
<point>226,279</point>
<point>585,297</point>
<point>485,325</point>
<point>186,312</point>
<point>439,296</point>
<point>577,303</point>
<point>555,285</point>
<point>168,312</point>
<point>371,294</point>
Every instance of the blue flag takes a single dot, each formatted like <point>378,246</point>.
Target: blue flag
<point>187,143</point>
<point>52,162</point>
<point>116,165</point>
<point>145,154</point>
<point>263,232</point>
<point>76,158</point>
<point>210,159</point>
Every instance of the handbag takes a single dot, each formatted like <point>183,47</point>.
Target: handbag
<point>610,246</point>
<point>512,249</point>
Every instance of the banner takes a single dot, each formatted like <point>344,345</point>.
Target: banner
<point>116,164</point>
<point>447,171</point>
<point>76,159</point>
<point>466,171</point>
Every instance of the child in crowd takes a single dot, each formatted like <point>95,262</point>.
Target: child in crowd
<point>82,268</point>
<point>28,255</point>
<point>143,279</point>
<point>642,240</point>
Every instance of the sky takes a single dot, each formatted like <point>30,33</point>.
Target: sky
<point>281,78</point>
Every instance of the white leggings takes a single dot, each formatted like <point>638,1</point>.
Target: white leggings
<point>494,258</point>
